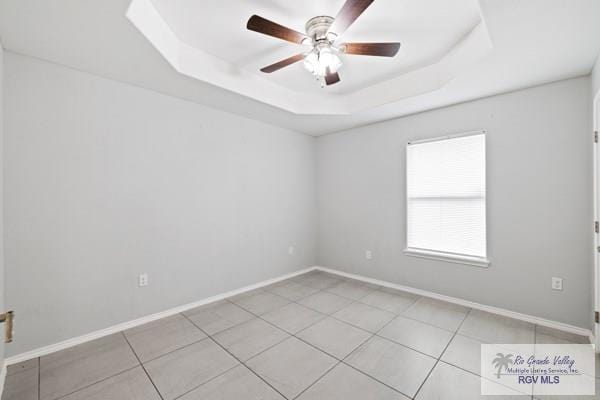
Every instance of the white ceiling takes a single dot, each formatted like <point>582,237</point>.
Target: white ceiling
<point>534,42</point>
<point>428,29</point>
<point>431,56</point>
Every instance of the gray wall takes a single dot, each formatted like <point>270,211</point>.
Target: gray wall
<point>595,92</point>
<point>596,77</point>
<point>1,198</point>
<point>539,201</point>
<point>104,181</point>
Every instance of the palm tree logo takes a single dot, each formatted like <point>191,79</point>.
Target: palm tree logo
<point>502,361</point>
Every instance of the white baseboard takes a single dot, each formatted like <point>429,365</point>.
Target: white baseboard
<point>42,351</point>
<point>494,310</point>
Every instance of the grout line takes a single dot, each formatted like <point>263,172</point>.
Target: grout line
<point>375,379</point>
<point>289,335</point>
<point>171,351</point>
<point>95,383</point>
<point>513,315</point>
<point>441,354</point>
<point>342,361</point>
<point>406,346</point>
<point>207,337</point>
<point>174,350</point>
<point>210,380</point>
<point>241,363</point>
<point>322,351</point>
<point>331,355</point>
<point>300,339</point>
<point>318,379</point>
<point>410,348</point>
<point>352,301</point>
<point>260,352</point>
<point>142,365</point>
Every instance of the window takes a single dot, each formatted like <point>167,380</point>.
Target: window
<point>446,208</point>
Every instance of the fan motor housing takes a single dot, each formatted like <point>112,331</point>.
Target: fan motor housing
<point>317,27</point>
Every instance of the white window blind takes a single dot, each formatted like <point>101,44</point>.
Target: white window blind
<point>446,207</point>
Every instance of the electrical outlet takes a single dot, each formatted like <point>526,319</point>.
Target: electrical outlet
<point>291,250</point>
<point>557,283</point>
<point>368,255</point>
<point>143,280</point>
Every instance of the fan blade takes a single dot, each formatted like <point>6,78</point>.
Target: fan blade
<point>270,28</point>
<point>332,77</point>
<point>371,49</point>
<point>283,63</point>
<point>348,14</point>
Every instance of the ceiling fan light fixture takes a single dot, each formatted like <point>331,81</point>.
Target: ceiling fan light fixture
<point>311,62</point>
<point>322,59</point>
<point>328,58</point>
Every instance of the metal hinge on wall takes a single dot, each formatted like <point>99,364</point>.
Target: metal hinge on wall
<point>597,227</point>
<point>597,317</point>
<point>8,318</point>
<point>595,136</point>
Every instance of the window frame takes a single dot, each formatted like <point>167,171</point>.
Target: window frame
<point>455,258</point>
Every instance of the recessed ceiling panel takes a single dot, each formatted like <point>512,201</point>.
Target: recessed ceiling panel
<point>429,31</point>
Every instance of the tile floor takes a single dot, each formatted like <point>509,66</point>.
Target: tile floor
<point>313,337</point>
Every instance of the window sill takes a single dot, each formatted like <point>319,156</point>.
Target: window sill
<point>452,258</point>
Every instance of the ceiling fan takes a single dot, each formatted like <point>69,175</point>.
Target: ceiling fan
<point>322,32</point>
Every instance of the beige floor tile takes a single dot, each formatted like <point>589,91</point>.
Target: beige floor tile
<point>133,384</point>
<point>364,316</point>
<point>293,318</point>
<point>438,313</point>
<point>334,337</point>
<point>492,328</point>
<point>464,352</point>
<point>250,338</point>
<point>237,384</point>
<point>72,369</point>
<point>294,291</point>
<point>351,289</point>
<point>22,385</point>
<point>261,303</point>
<point>22,366</point>
<point>216,317</point>
<point>450,383</point>
<point>291,366</point>
<point>185,369</point>
<point>395,365</point>
<point>345,383</point>
<point>393,302</point>
<point>326,303</point>
<point>417,335</point>
<point>163,336</point>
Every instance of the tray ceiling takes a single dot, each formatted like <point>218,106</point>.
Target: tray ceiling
<point>533,42</point>
<point>209,41</point>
